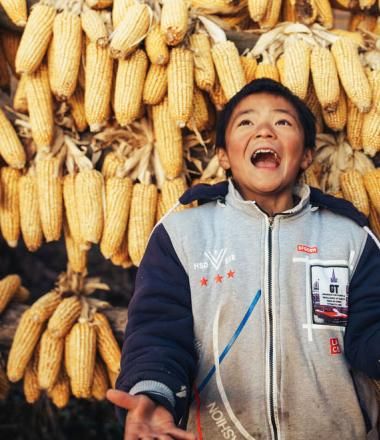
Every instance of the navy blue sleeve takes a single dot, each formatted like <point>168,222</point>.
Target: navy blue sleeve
<point>362,336</point>
<point>159,339</point>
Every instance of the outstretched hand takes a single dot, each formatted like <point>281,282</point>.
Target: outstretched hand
<point>146,419</point>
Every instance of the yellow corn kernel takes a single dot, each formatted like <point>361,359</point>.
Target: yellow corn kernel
<point>171,191</point>
<point>372,185</point>
<point>10,42</point>
<point>168,140</point>
<point>50,357</point>
<point>354,126</point>
<point>180,84</point>
<point>174,21</point>
<point>351,73</point>
<point>228,66</point>
<point>35,38</point>
<point>156,84</point>
<point>20,102</point>
<point>141,219</point>
<point>111,164</point>
<point>131,30</point>
<point>200,118</point>
<point>129,87</point>
<point>119,10</point>
<point>81,349</point>
<point>8,287</point>
<point>71,207</point>
<point>108,347</point>
<point>272,14</point>
<point>32,389</point>
<point>94,27</point>
<point>118,201</point>
<point>371,132</point>
<point>60,393</point>
<point>121,256</point>
<point>204,71</point>
<point>30,220</point>
<point>64,317</point>
<point>9,205</point>
<point>337,119</point>
<point>257,9</point>
<point>91,208</point>
<point>374,221</point>
<point>97,92</point>
<point>325,78</point>
<point>353,190</point>
<point>100,384</point>
<point>16,11</point>
<point>249,67</point>
<point>155,46</point>
<point>50,197</point>
<point>296,66</point>
<point>11,149</point>
<point>325,13</point>
<point>40,106</point>
<point>76,252</point>
<point>76,102</point>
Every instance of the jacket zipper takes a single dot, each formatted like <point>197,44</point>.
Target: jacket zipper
<point>271,333</point>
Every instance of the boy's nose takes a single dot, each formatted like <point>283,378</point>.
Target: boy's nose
<point>264,130</point>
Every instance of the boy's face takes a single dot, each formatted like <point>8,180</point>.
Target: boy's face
<point>264,146</point>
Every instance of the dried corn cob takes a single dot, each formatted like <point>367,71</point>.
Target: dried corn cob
<point>171,191</point>
<point>337,120</point>
<point>91,212</point>
<point>71,207</point>
<point>82,350</point>
<point>76,253</point>
<point>362,21</point>
<point>351,73</point>
<point>50,197</point>
<point>119,10</point>
<point>180,84</point>
<point>174,21</point>
<point>97,92</point>
<point>29,212</point>
<point>64,317</point>
<point>11,149</point>
<point>371,132</point>
<point>131,30</point>
<point>107,345</point>
<point>200,118</point>
<point>112,376</point>
<point>312,102</point>
<point>325,78</point>
<point>36,37</point>
<point>168,140</point>
<point>155,46</point>
<point>94,27</point>
<point>67,41</point>
<point>296,65</point>
<point>156,84</point>
<point>118,201</point>
<point>141,219</point>
<point>32,389</point>
<point>50,357</point>
<point>354,126</point>
<point>249,67</point>
<point>374,80</point>
<point>228,66</point>
<point>267,70</point>
<point>100,384</point>
<point>40,106</point>
<point>257,9</point>
<point>217,96</point>
<point>325,13</point>
<point>10,42</point>
<point>353,190</point>
<point>111,163</point>
<point>21,295</point>
<point>99,4</point>
<point>9,205</point>
<point>310,178</point>
<point>20,102</point>
<point>76,102</point>
<point>60,393</point>
<point>121,256</point>
<point>372,185</point>
<point>129,87</point>
<point>8,287</point>
<point>374,221</point>
<point>356,37</point>
<point>16,11</point>
<point>204,71</point>
<point>44,307</point>
<point>272,14</point>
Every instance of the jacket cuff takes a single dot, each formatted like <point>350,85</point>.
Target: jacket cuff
<point>153,388</point>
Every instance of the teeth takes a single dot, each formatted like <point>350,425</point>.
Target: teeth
<point>265,150</point>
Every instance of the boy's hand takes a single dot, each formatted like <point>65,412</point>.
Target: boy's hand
<point>146,419</point>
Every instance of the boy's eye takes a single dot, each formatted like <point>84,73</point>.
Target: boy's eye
<point>244,122</point>
<point>283,122</point>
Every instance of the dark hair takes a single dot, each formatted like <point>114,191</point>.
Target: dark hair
<point>266,85</point>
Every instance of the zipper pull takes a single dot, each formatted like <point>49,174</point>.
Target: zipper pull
<point>270,221</point>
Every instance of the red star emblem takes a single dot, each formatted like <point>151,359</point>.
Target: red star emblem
<point>218,278</point>
<point>204,281</point>
<point>231,274</point>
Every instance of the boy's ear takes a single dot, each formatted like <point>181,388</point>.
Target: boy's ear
<point>307,159</point>
<point>224,162</point>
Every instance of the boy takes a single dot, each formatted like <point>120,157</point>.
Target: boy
<point>241,304</point>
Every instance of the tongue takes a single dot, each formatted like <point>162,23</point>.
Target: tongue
<point>266,161</point>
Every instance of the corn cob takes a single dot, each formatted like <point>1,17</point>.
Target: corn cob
<point>337,120</point>
<point>372,185</point>
<point>81,349</point>
<point>9,206</point>
<point>204,71</point>
<point>67,356</point>
<point>312,102</point>
<point>119,10</point>
<point>171,191</point>
<point>351,73</point>
<point>155,46</point>
<point>71,207</point>
<point>180,85</point>
<point>99,4</point>
<point>111,163</point>
<point>129,87</point>
<point>217,96</point>
<point>325,78</point>
<point>94,27</point>
<point>97,92</point>
<point>118,201</point>
<point>374,80</point>
<point>76,252</point>
<point>100,384</point>
<point>30,220</point>
<point>16,11</point>
<point>67,42</point>
<point>156,84</point>
<point>371,132</point>
<point>11,149</point>
<point>325,13</point>
<point>21,295</point>
<point>107,345</point>
<point>121,256</point>
<point>5,78</point>
<point>228,66</point>
<point>131,30</point>
<point>44,307</point>
<point>50,197</point>
<point>356,37</point>
<point>141,219</point>
<point>374,221</point>
<point>40,107</point>
<point>10,42</point>
<point>8,287</point>
<point>267,70</point>
<point>353,190</point>
<point>60,393</point>
<point>20,102</point>
<point>64,317</point>
<point>296,66</point>
<point>76,102</point>
<point>32,389</point>
<point>249,67</point>
<point>354,126</point>
<point>50,357</point>
<point>200,118</point>
<point>174,21</point>
<point>311,178</point>
<point>112,376</point>
<point>91,212</point>
<point>35,39</point>
<point>257,9</point>
<point>168,140</point>
<point>272,13</point>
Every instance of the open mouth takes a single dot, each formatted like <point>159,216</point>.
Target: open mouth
<point>265,158</point>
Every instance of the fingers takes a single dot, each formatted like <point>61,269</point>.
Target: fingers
<point>122,399</point>
<point>180,434</point>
